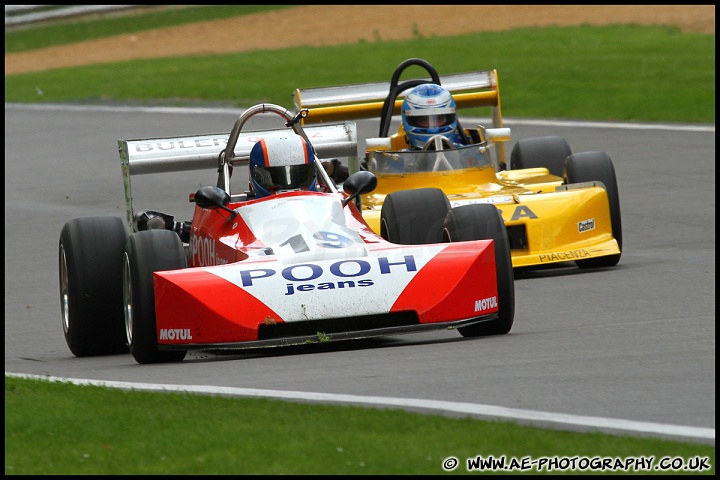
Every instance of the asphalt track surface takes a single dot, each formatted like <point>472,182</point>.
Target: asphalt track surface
<point>626,350</point>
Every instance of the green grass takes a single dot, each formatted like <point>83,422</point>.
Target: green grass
<point>64,429</point>
<point>602,73</point>
<point>614,73</point>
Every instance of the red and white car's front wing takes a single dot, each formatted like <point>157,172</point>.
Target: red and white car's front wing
<point>227,304</point>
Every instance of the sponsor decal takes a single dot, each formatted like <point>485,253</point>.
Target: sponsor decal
<point>179,144</point>
<point>304,274</point>
<point>311,288</point>
<point>204,255</point>
<point>485,304</point>
<point>504,199</point>
<point>586,225</point>
<point>568,256</point>
<point>327,286</point>
<point>521,211</point>
<point>175,334</point>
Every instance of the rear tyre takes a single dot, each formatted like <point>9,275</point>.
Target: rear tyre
<point>90,254</point>
<point>147,252</point>
<point>484,222</point>
<point>597,166</point>
<point>414,217</point>
<point>549,152</point>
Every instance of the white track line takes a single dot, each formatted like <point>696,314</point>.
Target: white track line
<point>607,425</point>
<point>237,111</point>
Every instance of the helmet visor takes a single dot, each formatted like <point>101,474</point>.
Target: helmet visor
<point>431,121</point>
<point>286,177</point>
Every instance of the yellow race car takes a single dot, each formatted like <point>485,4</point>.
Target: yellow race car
<point>557,206</point>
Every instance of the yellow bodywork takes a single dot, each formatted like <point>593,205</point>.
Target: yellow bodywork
<point>547,222</point>
<point>561,223</point>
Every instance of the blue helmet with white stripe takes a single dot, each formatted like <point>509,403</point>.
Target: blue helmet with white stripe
<point>428,110</point>
<point>281,162</point>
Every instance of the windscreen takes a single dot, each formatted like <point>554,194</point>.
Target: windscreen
<point>415,161</point>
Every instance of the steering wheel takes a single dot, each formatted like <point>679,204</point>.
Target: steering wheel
<point>439,143</point>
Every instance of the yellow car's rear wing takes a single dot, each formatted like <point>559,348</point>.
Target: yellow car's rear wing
<point>362,101</point>
<point>352,102</point>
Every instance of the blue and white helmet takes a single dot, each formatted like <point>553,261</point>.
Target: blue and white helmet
<point>281,162</point>
<point>428,110</point>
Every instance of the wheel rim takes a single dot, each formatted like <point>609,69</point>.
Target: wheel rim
<point>64,291</point>
<point>127,299</point>
<point>446,236</point>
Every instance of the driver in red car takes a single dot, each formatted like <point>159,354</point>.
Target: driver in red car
<point>281,162</point>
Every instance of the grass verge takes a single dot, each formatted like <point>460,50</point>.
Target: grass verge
<point>64,429</point>
<point>613,73</point>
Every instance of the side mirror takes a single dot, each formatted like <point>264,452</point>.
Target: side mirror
<point>378,143</point>
<point>498,134</point>
<point>213,197</point>
<point>359,183</point>
<point>209,197</point>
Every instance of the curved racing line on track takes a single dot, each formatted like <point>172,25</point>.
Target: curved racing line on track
<point>487,412</point>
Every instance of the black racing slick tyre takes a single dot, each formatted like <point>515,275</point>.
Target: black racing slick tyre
<point>484,222</point>
<point>598,167</point>
<point>147,252</point>
<point>90,253</point>
<point>414,217</point>
<point>549,152</point>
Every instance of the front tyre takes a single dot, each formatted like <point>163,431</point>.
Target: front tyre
<point>90,255</point>
<point>484,222</point>
<point>597,166</point>
<point>147,252</point>
<point>549,152</point>
<point>414,217</point>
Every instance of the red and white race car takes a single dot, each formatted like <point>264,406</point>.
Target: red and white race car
<point>292,268</point>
